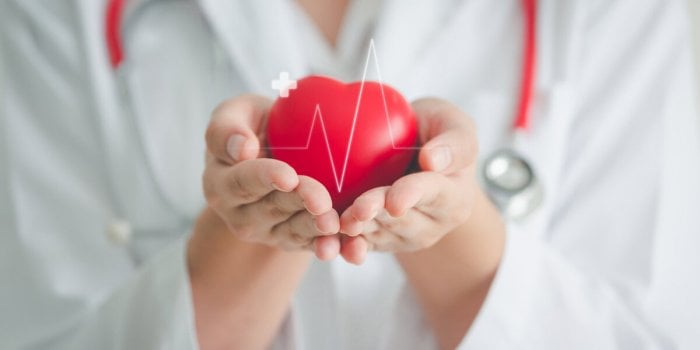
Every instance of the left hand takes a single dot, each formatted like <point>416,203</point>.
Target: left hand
<point>419,209</point>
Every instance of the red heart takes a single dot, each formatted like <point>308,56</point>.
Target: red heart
<point>350,137</point>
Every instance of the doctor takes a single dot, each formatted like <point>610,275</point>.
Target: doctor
<point>104,242</point>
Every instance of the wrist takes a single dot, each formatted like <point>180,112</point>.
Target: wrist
<point>213,250</point>
<point>477,244</point>
<point>452,278</point>
<point>240,290</point>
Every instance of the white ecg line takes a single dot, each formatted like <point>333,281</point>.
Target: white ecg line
<point>371,52</point>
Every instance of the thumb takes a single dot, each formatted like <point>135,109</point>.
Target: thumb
<point>449,136</point>
<point>232,132</point>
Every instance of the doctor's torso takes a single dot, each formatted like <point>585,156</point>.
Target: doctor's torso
<point>132,145</point>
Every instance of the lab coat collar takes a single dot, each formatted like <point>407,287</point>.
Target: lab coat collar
<point>259,38</point>
<point>250,31</point>
<point>404,37</point>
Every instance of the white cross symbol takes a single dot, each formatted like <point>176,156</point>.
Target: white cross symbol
<point>284,84</point>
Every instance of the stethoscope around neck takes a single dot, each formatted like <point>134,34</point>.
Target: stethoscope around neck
<point>505,174</point>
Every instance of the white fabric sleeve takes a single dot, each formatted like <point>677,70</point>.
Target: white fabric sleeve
<point>617,267</point>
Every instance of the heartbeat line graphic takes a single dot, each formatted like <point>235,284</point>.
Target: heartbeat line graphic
<point>371,53</point>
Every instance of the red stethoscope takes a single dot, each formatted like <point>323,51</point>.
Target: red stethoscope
<point>506,176</point>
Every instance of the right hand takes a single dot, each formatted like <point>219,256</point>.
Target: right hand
<point>260,199</point>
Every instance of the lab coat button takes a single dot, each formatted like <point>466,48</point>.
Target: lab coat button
<point>119,232</point>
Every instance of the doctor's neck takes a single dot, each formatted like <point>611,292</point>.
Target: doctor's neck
<point>327,15</point>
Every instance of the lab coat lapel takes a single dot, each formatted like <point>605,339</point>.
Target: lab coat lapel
<point>259,38</point>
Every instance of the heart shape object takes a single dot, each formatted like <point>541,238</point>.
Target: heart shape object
<point>350,137</point>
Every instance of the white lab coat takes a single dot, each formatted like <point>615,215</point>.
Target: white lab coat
<point>96,203</point>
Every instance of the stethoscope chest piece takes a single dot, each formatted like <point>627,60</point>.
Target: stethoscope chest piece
<point>511,183</point>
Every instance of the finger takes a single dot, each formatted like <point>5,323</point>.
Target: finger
<point>384,238</point>
<point>327,247</point>
<point>326,223</point>
<point>448,136</point>
<point>398,233</point>
<point>232,132</point>
<point>251,180</point>
<point>354,249</point>
<point>313,195</point>
<point>278,206</point>
<point>363,209</point>
<point>423,191</point>
<point>301,229</point>
<point>349,225</point>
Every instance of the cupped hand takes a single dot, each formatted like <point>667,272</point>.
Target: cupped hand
<point>419,209</point>
<point>260,199</point>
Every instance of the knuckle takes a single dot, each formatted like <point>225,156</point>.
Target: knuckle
<point>381,238</point>
<point>245,195</point>
<point>391,225</point>
<point>239,223</point>
<point>273,205</point>
<point>298,239</point>
<point>240,189</point>
<point>274,210</point>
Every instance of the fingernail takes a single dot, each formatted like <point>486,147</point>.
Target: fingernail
<point>441,158</point>
<point>234,146</point>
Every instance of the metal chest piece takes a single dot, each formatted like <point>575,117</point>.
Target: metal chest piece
<point>511,184</point>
